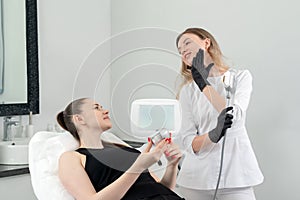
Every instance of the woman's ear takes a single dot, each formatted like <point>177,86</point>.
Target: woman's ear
<point>78,119</point>
<point>207,43</point>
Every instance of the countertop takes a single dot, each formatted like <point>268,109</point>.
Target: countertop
<point>13,170</point>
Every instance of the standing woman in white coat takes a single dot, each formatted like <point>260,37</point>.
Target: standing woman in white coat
<point>205,120</point>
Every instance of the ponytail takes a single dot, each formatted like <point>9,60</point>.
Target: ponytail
<point>61,121</point>
<point>65,118</point>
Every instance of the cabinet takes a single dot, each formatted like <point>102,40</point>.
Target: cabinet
<point>16,187</point>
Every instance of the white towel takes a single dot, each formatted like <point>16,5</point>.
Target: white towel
<point>45,148</point>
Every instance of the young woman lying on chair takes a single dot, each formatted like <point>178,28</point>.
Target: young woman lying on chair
<point>99,170</point>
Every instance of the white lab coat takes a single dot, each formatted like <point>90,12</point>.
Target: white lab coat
<point>200,170</point>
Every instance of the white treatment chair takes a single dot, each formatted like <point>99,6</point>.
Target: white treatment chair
<point>45,149</point>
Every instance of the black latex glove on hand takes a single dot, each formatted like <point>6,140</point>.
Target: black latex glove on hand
<point>199,71</point>
<point>224,122</point>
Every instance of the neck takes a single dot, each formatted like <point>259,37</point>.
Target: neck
<point>91,139</point>
<point>207,60</point>
<point>216,70</point>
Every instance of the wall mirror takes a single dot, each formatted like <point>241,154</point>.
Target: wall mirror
<point>19,76</point>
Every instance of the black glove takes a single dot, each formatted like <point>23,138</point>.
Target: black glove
<point>224,122</point>
<point>199,71</point>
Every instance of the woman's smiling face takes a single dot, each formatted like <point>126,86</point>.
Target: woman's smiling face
<point>188,47</point>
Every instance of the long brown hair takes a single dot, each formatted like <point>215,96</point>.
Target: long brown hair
<point>65,118</point>
<point>213,50</point>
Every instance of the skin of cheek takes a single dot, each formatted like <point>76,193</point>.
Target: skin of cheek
<point>193,47</point>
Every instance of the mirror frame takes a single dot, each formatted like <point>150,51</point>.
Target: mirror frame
<point>32,67</point>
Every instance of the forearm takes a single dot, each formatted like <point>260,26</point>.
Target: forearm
<point>199,142</point>
<point>218,102</point>
<point>169,178</point>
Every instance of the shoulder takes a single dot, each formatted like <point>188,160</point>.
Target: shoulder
<point>70,157</point>
<point>243,75</point>
<point>243,72</point>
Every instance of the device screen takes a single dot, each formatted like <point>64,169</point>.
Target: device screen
<point>153,117</point>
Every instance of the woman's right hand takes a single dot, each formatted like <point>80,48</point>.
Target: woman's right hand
<point>148,158</point>
<point>224,122</point>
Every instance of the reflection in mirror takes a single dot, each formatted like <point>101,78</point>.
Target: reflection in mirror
<point>19,58</point>
<point>13,31</point>
<point>1,51</point>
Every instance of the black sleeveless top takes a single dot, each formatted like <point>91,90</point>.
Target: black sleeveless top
<point>104,166</point>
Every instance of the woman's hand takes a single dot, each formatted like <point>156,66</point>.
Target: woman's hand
<point>224,122</point>
<point>199,71</point>
<point>148,158</point>
<point>173,153</point>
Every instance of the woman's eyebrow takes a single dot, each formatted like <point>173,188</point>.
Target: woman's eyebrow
<point>183,42</point>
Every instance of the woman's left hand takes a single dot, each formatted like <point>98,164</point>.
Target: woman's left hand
<point>199,71</point>
<point>173,153</point>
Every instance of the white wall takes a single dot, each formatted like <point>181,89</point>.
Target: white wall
<point>262,36</point>
<point>70,32</point>
<point>143,67</point>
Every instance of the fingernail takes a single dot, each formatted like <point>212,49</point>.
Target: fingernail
<point>149,139</point>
